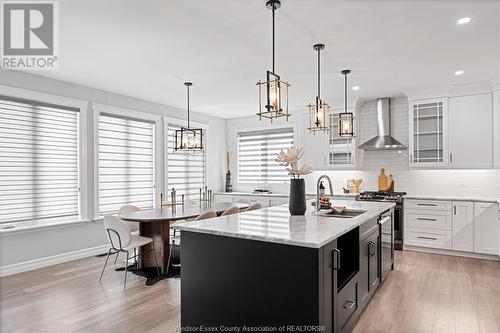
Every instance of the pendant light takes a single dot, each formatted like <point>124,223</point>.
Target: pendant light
<point>273,101</point>
<point>346,119</point>
<point>318,111</point>
<point>187,138</point>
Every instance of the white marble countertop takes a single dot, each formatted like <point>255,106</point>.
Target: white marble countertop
<point>282,195</point>
<point>417,196</point>
<point>275,224</point>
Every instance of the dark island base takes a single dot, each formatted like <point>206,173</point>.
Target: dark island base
<point>233,282</point>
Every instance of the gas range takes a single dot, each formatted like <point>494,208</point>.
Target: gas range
<point>396,197</point>
<point>381,196</point>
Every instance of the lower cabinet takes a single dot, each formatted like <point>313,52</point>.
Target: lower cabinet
<point>486,229</point>
<point>463,226</point>
<point>453,225</point>
<point>369,266</point>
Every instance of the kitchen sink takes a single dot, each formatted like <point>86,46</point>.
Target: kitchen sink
<point>348,213</point>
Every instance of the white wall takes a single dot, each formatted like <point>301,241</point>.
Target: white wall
<point>24,249</point>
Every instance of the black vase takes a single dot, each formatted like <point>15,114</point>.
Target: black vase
<point>297,200</point>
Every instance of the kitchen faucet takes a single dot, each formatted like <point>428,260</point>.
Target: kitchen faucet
<point>317,189</point>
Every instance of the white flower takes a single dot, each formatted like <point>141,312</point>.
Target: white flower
<point>290,159</point>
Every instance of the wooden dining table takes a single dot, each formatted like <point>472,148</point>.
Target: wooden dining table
<point>155,224</point>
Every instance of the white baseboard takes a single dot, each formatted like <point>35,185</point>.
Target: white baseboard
<point>452,253</point>
<point>52,260</point>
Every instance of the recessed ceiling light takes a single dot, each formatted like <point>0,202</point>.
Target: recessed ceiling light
<point>355,88</point>
<point>459,72</point>
<point>463,20</point>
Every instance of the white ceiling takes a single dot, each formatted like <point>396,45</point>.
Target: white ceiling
<point>147,49</point>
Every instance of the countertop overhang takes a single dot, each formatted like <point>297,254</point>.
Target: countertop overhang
<point>276,225</point>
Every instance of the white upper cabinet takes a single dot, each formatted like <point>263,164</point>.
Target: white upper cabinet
<point>328,150</point>
<point>471,131</point>
<point>463,226</point>
<point>428,133</point>
<point>496,130</point>
<point>316,150</point>
<point>486,228</point>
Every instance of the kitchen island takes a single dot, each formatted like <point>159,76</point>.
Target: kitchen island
<point>266,270</point>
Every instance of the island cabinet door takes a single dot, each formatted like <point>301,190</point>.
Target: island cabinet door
<point>330,264</point>
<point>368,267</point>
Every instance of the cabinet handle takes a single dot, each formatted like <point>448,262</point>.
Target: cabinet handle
<point>336,259</point>
<point>371,249</point>
<point>427,204</point>
<point>426,219</point>
<point>349,304</point>
<point>454,210</point>
<point>451,158</point>
<point>423,237</point>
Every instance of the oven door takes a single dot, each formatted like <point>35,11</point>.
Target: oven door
<point>386,245</point>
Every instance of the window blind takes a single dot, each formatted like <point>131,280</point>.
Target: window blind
<point>186,170</point>
<point>126,163</point>
<point>38,160</point>
<point>257,154</point>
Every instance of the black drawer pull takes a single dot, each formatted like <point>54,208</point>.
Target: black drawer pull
<point>349,305</point>
<point>426,219</point>
<point>427,204</point>
<point>336,259</point>
<point>423,237</point>
<point>371,249</point>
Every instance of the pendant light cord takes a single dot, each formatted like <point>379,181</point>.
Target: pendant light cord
<point>188,104</point>
<point>273,36</point>
<point>345,90</point>
<point>319,82</point>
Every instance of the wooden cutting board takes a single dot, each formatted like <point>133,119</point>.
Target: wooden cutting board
<point>382,180</point>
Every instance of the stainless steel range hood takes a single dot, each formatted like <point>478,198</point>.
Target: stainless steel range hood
<point>383,140</point>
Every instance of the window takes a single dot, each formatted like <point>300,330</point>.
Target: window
<point>126,163</point>
<point>38,160</point>
<point>257,154</point>
<point>342,150</point>
<point>186,170</point>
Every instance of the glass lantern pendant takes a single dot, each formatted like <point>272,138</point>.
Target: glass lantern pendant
<point>187,138</point>
<point>273,92</point>
<point>318,111</point>
<point>346,119</point>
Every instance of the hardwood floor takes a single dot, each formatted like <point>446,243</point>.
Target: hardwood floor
<point>426,293</point>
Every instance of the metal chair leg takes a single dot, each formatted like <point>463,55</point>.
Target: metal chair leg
<point>126,269</point>
<point>156,260</point>
<point>116,258</point>
<point>105,263</point>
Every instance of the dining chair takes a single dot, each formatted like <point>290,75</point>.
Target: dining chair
<point>206,215</point>
<point>230,211</point>
<point>121,240</point>
<point>176,240</point>
<point>125,209</point>
<point>254,206</point>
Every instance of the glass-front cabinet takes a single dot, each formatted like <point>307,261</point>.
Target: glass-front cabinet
<point>341,151</point>
<point>329,150</point>
<point>428,133</point>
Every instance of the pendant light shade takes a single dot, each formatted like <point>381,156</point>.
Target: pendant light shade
<point>318,111</point>
<point>187,138</point>
<point>273,92</point>
<point>346,119</point>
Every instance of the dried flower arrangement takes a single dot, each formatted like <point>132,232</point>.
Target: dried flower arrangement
<point>290,159</point>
